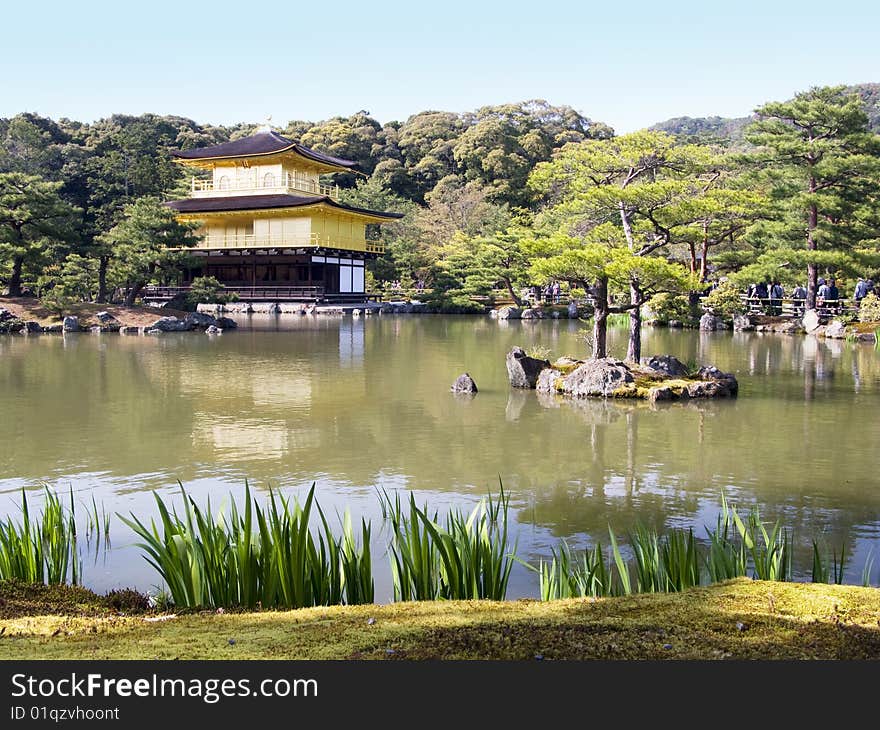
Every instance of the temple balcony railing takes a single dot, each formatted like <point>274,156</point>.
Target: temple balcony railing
<point>266,185</point>
<point>251,242</point>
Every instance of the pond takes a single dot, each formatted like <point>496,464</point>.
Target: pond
<point>358,405</point>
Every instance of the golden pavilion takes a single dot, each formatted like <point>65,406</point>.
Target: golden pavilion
<point>269,229</point>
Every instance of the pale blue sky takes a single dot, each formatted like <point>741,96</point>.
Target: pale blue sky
<point>629,64</point>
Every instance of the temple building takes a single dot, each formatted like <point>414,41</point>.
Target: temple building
<point>269,229</point>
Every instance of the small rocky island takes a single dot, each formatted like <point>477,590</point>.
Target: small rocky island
<point>657,378</point>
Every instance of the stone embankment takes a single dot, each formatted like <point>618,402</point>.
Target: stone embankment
<point>812,323</point>
<point>301,308</point>
<point>657,378</point>
<point>105,322</point>
<point>569,312</point>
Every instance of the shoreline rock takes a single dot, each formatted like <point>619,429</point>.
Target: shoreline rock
<point>658,378</point>
<point>464,383</point>
<point>522,370</point>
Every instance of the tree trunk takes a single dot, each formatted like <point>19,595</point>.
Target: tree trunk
<point>15,278</point>
<point>634,348</point>
<point>103,261</point>
<point>627,227</point>
<point>600,318</point>
<point>812,224</point>
<point>693,252</point>
<point>132,294</point>
<point>704,260</point>
<point>516,300</point>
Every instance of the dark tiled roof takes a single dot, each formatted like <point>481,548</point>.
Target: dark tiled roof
<point>262,202</point>
<point>262,143</point>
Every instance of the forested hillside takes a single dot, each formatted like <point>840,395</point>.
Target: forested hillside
<point>499,198</point>
<point>730,130</point>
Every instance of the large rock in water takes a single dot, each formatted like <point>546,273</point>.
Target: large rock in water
<point>464,383</point>
<point>742,323</point>
<point>534,313</point>
<point>836,330</point>
<point>200,319</point>
<point>170,324</point>
<point>509,313</point>
<point>666,364</point>
<point>597,378</point>
<point>547,380</point>
<point>710,323</point>
<point>523,370</point>
<point>811,320</point>
<point>70,324</point>
<point>716,383</point>
<point>226,323</point>
<point>572,310</point>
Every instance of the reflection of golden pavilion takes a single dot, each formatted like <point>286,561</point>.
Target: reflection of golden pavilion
<point>270,230</point>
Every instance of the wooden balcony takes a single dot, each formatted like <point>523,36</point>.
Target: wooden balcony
<point>246,293</point>
<point>251,242</point>
<point>266,185</point>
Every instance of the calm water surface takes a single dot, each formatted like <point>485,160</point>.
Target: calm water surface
<point>359,404</point>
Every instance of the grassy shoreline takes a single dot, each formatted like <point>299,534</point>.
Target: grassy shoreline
<point>739,619</point>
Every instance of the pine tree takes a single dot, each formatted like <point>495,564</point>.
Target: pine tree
<point>825,172</point>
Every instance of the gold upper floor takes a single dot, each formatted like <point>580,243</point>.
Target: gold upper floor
<point>296,228</point>
<point>242,178</point>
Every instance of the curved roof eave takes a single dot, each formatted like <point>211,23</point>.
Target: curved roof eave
<point>259,145</point>
<point>245,203</point>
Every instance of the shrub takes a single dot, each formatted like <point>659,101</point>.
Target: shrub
<point>60,286</point>
<point>869,309</point>
<point>666,306</point>
<point>540,352</point>
<point>725,300</point>
<point>208,290</point>
<point>56,300</point>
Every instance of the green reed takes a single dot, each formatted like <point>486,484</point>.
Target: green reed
<point>828,568</point>
<point>40,548</point>
<point>415,559</point>
<point>726,557</point>
<point>769,553</point>
<point>680,560</point>
<point>676,561</point>
<point>253,557</point>
<point>97,521</point>
<point>568,576</point>
<point>466,557</point>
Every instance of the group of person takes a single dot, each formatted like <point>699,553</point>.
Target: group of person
<point>769,296</point>
<point>550,293</point>
<point>863,288</point>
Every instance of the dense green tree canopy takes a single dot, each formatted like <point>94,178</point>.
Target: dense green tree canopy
<point>488,196</point>
<point>36,226</point>
<point>634,193</point>
<point>143,245</point>
<point>824,170</point>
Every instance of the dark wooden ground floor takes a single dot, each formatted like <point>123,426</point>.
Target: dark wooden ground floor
<point>328,276</point>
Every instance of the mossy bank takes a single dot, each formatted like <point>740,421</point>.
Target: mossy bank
<point>740,619</point>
